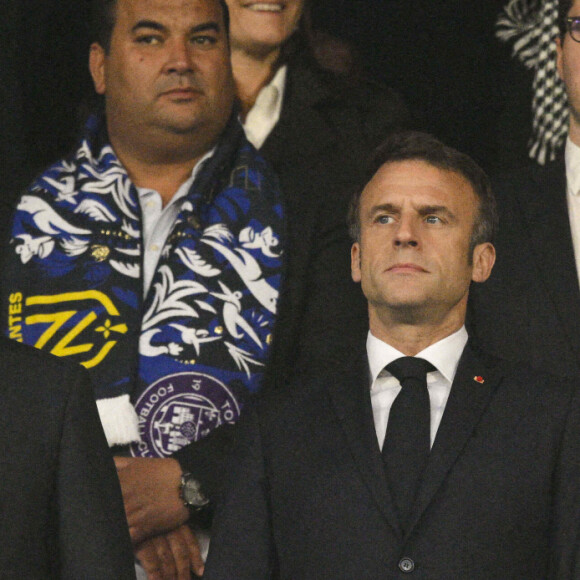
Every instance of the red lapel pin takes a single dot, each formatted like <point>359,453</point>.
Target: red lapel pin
<point>479,379</point>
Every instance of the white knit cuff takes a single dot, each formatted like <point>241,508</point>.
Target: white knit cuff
<point>119,420</point>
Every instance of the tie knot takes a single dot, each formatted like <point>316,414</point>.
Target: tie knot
<point>410,367</point>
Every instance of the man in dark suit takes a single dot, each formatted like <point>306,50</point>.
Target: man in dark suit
<point>62,511</point>
<point>478,476</point>
<point>530,307</point>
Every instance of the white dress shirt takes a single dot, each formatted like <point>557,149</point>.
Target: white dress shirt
<point>443,355</point>
<point>157,221</point>
<point>264,115</point>
<point>572,158</point>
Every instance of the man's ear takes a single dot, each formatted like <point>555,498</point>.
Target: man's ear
<point>355,262</point>
<point>483,261</point>
<point>97,67</point>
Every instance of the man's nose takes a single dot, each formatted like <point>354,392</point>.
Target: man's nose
<point>406,233</point>
<point>180,57</point>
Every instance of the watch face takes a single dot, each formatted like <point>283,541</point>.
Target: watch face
<point>192,494</point>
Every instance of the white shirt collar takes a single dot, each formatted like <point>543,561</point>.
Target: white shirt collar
<point>265,113</point>
<point>184,187</point>
<point>444,355</point>
<point>572,157</point>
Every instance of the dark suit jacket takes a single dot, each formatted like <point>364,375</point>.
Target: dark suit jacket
<point>308,496</point>
<point>61,512</point>
<point>529,309</point>
<point>319,149</point>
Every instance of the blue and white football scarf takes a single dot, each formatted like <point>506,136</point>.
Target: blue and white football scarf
<point>173,366</point>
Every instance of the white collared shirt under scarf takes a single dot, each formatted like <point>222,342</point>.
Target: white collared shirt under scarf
<point>443,355</point>
<point>572,158</point>
<point>264,115</point>
<point>157,221</point>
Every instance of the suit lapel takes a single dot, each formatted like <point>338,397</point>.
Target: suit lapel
<point>548,228</point>
<point>301,133</point>
<point>350,396</point>
<point>467,402</point>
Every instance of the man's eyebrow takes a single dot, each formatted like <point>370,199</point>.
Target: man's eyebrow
<point>154,25</point>
<point>422,210</point>
<point>391,208</point>
<point>435,209</point>
<point>205,27</point>
<point>150,24</point>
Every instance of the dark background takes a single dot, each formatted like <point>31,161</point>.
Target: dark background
<point>441,55</point>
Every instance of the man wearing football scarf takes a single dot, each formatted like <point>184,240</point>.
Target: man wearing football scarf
<point>152,255</point>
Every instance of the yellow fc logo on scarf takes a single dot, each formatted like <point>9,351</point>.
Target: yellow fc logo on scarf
<point>76,324</point>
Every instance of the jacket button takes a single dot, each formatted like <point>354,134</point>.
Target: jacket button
<point>406,565</point>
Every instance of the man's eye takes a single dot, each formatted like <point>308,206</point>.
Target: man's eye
<point>204,40</point>
<point>385,219</point>
<point>433,219</point>
<point>148,39</point>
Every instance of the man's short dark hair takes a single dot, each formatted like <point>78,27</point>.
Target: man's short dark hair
<point>564,7</point>
<point>416,146</point>
<point>103,16</point>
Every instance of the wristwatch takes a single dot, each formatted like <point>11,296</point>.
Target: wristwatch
<point>190,493</point>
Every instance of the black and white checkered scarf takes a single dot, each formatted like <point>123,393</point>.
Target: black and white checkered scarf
<point>532,27</point>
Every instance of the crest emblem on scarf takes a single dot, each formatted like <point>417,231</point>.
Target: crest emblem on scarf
<point>181,408</point>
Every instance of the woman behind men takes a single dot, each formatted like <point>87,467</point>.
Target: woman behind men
<point>317,128</point>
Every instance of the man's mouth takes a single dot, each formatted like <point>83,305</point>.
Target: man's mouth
<point>265,7</point>
<point>405,267</point>
<point>181,92</point>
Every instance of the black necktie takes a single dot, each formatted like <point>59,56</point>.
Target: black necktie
<point>408,438</point>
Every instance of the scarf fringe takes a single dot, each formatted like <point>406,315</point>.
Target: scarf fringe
<point>520,21</point>
<point>532,26</point>
<point>119,420</point>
